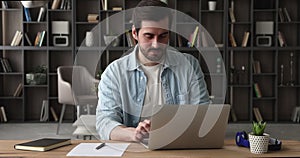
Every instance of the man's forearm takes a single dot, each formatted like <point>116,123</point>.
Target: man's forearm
<point>122,133</point>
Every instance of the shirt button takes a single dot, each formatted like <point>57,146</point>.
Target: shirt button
<point>139,100</point>
<point>141,78</point>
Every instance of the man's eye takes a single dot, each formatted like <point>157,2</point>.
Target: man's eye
<point>148,36</point>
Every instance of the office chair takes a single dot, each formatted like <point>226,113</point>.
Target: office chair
<point>76,86</point>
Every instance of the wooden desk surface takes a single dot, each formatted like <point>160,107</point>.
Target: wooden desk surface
<point>289,148</point>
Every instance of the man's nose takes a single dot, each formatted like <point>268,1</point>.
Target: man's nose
<point>155,43</point>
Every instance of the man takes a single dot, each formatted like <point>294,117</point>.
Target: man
<point>151,74</point>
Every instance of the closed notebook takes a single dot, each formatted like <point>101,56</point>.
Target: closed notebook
<point>43,144</point>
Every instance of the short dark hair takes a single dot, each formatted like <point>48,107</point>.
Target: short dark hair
<point>153,10</point>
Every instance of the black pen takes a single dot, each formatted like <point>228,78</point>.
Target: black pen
<point>100,146</point>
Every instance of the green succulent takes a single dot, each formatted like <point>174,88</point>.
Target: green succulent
<point>259,128</point>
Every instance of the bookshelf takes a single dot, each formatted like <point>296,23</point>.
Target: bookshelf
<point>276,104</point>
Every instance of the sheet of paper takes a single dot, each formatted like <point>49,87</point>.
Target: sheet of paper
<point>89,149</point>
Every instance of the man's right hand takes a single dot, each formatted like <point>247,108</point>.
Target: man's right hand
<point>123,133</point>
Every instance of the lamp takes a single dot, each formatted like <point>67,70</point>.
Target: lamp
<point>263,29</point>
<point>61,28</point>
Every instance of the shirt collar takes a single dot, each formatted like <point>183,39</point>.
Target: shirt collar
<point>171,58</point>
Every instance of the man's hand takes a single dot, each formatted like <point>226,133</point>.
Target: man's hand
<point>142,130</point>
<point>123,133</point>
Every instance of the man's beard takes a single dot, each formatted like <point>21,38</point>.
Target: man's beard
<point>157,57</point>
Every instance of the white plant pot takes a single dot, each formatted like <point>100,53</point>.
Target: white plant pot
<point>259,144</point>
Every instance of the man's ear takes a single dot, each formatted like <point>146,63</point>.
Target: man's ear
<point>134,33</point>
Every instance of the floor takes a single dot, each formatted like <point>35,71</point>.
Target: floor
<point>20,131</point>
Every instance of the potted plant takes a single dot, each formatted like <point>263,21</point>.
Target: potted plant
<point>112,40</point>
<point>259,140</point>
<point>38,76</point>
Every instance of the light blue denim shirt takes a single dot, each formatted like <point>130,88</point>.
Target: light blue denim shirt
<point>123,85</point>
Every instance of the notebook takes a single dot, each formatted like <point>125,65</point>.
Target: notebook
<point>43,144</point>
<point>187,126</point>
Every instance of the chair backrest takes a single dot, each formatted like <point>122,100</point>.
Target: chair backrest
<point>74,81</point>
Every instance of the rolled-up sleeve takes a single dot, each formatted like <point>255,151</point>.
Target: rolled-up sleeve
<point>109,111</point>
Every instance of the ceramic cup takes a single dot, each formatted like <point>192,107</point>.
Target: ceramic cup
<point>212,5</point>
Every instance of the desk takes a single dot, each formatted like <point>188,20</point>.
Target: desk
<point>290,148</point>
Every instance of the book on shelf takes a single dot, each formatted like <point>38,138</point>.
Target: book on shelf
<point>43,144</point>
<point>44,111</point>
<point>281,39</point>
<point>233,115</point>
<point>27,14</point>
<point>295,114</point>
<point>18,90</point>
<point>287,15</point>
<point>104,4</point>
<point>3,114</point>
<point>17,38</point>
<point>4,5</point>
<point>281,16</point>
<point>245,38</point>
<point>257,114</point>
<point>130,40</point>
<point>54,115</point>
<point>232,40</point>
<point>39,38</point>
<point>193,36</point>
<point>3,68</point>
<point>256,67</point>
<point>204,40</point>
<point>41,15</point>
<point>231,15</point>
<point>6,65</point>
<point>179,41</point>
<point>27,39</point>
<point>62,4</point>
<point>1,117</point>
<point>55,4</point>
<point>257,90</point>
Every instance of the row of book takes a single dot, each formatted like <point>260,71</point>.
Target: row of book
<point>244,41</point>
<point>233,43</point>
<point>61,4</point>
<point>40,17</point>
<point>45,112</point>
<point>3,117</point>
<point>256,112</point>
<point>17,38</point>
<point>39,38</point>
<point>284,15</point>
<point>5,65</point>
<point>295,116</point>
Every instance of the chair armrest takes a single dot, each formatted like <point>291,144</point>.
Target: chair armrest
<point>65,93</point>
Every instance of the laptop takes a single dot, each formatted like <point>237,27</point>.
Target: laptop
<point>187,126</point>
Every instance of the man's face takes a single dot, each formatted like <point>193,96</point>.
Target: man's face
<point>152,38</point>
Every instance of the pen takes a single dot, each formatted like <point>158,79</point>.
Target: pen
<point>100,146</point>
